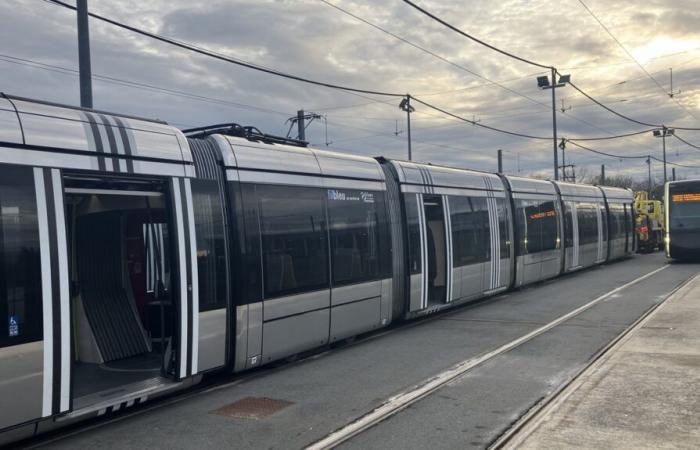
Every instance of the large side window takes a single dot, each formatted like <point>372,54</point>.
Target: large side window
<point>20,263</point>
<point>414,238</point>
<point>211,244</point>
<point>469,242</point>
<point>587,223</point>
<point>355,235</point>
<point>527,214</point>
<point>549,223</point>
<point>568,225</point>
<point>294,239</point>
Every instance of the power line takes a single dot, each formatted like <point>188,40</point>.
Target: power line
<point>611,155</point>
<point>478,41</point>
<point>481,125</point>
<point>631,56</point>
<point>607,154</point>
<point>429,52</point>
<point>135,84</point>
<point>225,58</point>
<point>603,138</point>
<point>685,142</point>
<point>402,39</point>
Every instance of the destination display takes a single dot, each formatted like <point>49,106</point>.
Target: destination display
<point>687,197</point>
<point>543,214</point>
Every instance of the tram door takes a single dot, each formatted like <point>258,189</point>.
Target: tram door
<point>125,284</point>
<point>436,240</point>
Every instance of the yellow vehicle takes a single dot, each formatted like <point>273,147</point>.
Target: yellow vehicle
<point>649,222</point>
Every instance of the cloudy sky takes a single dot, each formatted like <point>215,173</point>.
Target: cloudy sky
<point>310,38</point>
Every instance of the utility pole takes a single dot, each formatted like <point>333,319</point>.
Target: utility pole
<point>301,129</point>
<point>554,125</point>
<point>673,174</point>
<point>649,169</point>
<point>84,54</point>
<point>405,105</point>
<point>663,140</point>
<point>543,83</point>
<point>500,161</point>
<point>602,174</point>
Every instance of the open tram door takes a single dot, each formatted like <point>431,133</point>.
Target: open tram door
<point>129,328</point>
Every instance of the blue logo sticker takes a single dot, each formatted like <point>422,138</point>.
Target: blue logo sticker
<point>13,329</point>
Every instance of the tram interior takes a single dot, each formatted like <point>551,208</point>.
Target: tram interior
<point>120,278</point>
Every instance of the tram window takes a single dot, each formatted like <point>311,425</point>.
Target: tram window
<point>617,221</point>
<point>354,226</point>
<point>248,262</point>
<point>211,245</point>
<point>20,264</point>
<point>385,250</point>
<point>469,240</point>
<point>294,239</point>
<point>587,223</point>
<point>503,227</point>
<point>414,238</point>
<point>549,221</point>
<point>568,225</point>
<point>528,226</point>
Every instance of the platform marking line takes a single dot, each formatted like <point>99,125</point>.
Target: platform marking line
<point>522,431</point>
<point>400,401</point>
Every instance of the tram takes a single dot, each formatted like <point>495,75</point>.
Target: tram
<point>136,259</point>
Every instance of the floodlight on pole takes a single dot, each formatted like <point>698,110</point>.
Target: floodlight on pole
<point>662,133</point>
<point>543,82</point>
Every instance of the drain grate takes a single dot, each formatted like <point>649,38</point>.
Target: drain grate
<point>252,408</point>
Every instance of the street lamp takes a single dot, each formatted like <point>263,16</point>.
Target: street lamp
<point>544,83</point>
<point>662,133</point>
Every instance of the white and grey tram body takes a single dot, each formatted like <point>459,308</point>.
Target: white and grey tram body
<point>133,260</point>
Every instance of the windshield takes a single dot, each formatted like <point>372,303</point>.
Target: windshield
<point>685,209</point>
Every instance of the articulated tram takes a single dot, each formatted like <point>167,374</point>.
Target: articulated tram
<point>134,259</point>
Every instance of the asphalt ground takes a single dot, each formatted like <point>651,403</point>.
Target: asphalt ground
<point>330,390</point>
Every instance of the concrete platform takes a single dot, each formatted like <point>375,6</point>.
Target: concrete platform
<point>644,393</point>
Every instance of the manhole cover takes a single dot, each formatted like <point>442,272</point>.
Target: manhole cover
<point>252,408</point>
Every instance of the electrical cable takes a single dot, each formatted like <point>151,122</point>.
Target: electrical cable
<point>477,40</point>
<point>685,142</point>
<point>225,58</point>
<point>478,124</point>
<point>636,61</point>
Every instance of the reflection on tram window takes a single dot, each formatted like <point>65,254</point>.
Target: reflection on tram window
<point>470,238</point>
<point>294,239</point>
<point>211,246</point>
<point>537,223</point>
<point>587,223</point>
<point>20,270</point>
<point>414,239</point>
<point>355,235</point>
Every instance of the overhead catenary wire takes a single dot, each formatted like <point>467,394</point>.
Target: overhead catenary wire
<point>616,156</point>
<point>225,58</point>
<point>685,142</point>
<point>479,124</point>
<point>475,39</point>
<point>246,64</point>
<point>632,57</point>
<point>525,60</point>
<point>489,81</point>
